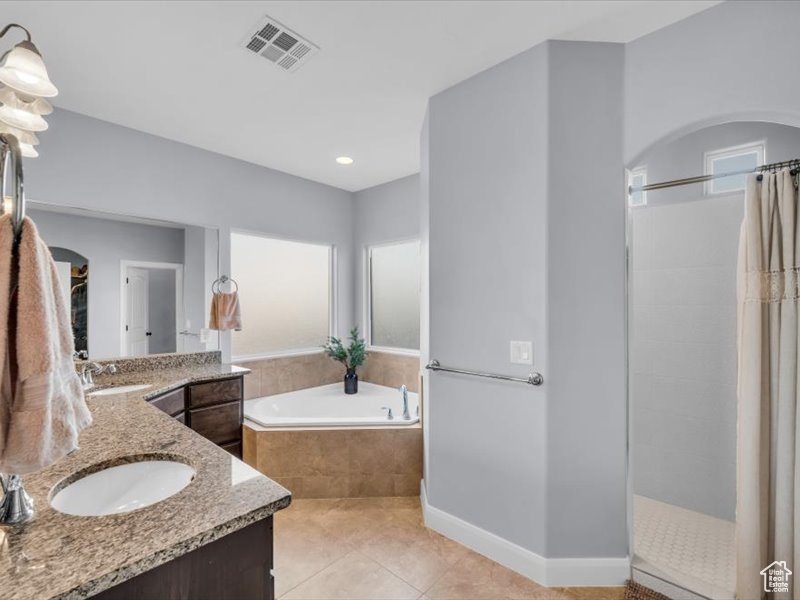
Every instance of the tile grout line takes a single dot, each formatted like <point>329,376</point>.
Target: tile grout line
<point>388,570</point>
<point>317,572</point>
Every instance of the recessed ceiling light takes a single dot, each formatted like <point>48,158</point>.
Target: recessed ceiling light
<point>344,160</point>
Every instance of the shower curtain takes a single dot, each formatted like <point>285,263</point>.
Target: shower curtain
<point>768,447</point>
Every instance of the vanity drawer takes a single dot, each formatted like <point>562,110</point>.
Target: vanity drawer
<point>220,424</point>
<point>181,418</point>
<point>215,392</point>
<point>171,403</point>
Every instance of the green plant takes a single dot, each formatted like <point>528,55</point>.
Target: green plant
<point>351,357</point>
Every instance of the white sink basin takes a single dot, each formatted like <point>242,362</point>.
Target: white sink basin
<point>122,389</point>
<point>123,488</point>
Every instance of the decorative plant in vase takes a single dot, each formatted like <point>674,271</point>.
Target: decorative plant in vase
<point>351,357</point>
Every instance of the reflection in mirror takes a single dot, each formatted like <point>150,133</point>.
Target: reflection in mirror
<point>73,271</point>
<point>135,286</point>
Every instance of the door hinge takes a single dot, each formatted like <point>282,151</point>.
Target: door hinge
<point>127,280</point>
<point>126,328</point>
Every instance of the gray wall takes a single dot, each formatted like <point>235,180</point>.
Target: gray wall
<point>585,286</point>
<point>105,243</point>
<point>93,164</point>
<point>525,245</point>
<point>683,336</point>
<point>484,184</point>
<point>485,205</point>
<point>201,260</point>
<point>384,213</point>
<point>732,62</point>
<point>425,285</point>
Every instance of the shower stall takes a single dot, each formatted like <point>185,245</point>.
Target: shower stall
<point>682,272</point>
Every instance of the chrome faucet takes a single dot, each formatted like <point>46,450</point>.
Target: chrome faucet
<point>89,369</point>
<point>404,392</point>
<point>16,507</point>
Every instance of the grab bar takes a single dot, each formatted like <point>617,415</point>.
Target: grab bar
<point>532,379</point>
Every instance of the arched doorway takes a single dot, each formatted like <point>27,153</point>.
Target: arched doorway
<point>682,354</point>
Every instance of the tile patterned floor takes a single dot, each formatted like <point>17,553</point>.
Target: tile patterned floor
<point>688,548</point>
<point>378,549</point>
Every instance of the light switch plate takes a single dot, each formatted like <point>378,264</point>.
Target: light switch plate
<point>521,353</point>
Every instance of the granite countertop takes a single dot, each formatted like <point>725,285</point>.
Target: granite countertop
<point>62,556</point>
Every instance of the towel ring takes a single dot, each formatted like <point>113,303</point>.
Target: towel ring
<point>216,287</point>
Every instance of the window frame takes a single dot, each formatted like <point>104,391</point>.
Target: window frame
<point>333,276</point>
<point>640,171</point>
<point>710,156</point>
<point>367,297</point>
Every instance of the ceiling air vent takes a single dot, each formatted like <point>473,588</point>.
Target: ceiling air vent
<point>280,45</point>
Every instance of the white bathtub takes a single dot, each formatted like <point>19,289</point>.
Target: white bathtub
<point>329,406</point>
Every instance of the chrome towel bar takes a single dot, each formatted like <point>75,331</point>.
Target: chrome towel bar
<point>532,379</point>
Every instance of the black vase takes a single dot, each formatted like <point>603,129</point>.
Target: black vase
<point>351,382</point>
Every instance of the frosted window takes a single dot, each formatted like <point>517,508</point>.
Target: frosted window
<point>285,294</point>
<point>394,295</point>
<point>729,160</point>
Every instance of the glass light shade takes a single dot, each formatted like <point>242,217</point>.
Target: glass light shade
<point>23,70</point>
<point>37,106</point>
<point>21,119</point>
<point>23,137</point>
<point>28,151</point>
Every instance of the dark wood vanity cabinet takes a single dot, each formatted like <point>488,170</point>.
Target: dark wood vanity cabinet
<point>173,403</point>
<point>213,409</point>
<point>237,566</point>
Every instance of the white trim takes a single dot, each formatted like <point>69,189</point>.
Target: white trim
<point>759,147</point>
<point>333,292</point>
<point>278,354</point>
<point>561,572</point>
<point>398,351</point>
<point>123,298</point>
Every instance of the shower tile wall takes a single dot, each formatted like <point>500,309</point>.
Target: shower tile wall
<point>683,353</point>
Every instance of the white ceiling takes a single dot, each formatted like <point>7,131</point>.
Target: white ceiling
<point>178,69</point>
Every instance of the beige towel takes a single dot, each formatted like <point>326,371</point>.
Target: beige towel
<point>225,312</point>
<point>7,284</point>
<point>45,411</point>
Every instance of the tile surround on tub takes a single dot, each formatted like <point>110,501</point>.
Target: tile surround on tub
<point>283,374</point>
<point>339,463</point>
<point>334,462</point>
<point>392,370</point>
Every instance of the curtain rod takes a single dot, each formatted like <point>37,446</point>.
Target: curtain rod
<point>795,162</point>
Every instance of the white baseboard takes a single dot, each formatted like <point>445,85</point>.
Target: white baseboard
<point>551,572</point>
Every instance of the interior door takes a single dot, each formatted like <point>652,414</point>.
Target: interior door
<point>137,325</point>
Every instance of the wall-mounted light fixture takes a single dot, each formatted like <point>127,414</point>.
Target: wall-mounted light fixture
<point>25,85</point>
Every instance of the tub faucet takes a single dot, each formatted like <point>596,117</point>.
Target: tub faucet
<point>404,392</point>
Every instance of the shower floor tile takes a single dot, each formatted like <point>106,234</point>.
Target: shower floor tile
<point>687,548</point>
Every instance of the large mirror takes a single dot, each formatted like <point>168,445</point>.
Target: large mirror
<point>134,286</point>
